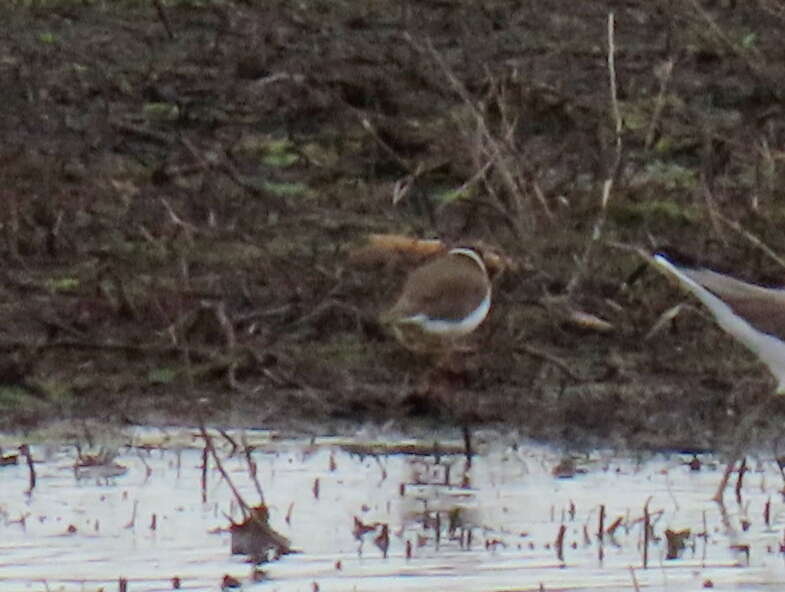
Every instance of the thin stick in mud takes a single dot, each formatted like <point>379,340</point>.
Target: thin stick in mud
<point>646,530</point>
<point>25,450</point>
<point>253,469</point>
<point>740,479</point>
<point>559,542</point>
<point>600,532</point>
<point>205,460</point>
<point>208,446</point>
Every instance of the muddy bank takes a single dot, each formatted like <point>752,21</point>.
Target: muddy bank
<point>182,188</point>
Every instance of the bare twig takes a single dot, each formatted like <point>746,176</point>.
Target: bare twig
<point>559,363</point>
<point>188,228</point>
<point>740,479</point>
<point>368,126</point>
<point>479,175</point>
<point>750,55</point>
<point>132,522</point>
<point>252,467</point>
<point>719,494</point>
<point>143,132</point>
<point>753,239</point>
<point>205,461</point>
<point>225,166</point>
<point>635,585</point>
<point>232,441</point>
<point>664,73</point>
<point>208,443</point>
<point>497,150</point>
<point>164,18</point>
<point>148,471</point>
<point>601,523</point>
<point>646,529</point>
<point>467,444</point>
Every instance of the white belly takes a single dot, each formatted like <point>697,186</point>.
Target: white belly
<point>453,328</point>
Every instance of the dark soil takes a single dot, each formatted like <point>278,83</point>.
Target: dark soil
<point>183,182</point>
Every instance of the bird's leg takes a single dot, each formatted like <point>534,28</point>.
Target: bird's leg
<point>742,436</point>
<point>436,377</point>
<point>443,359</point>
<point>452,360</point>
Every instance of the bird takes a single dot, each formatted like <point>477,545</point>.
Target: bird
<point>441,302</point>
<point>753,314</point>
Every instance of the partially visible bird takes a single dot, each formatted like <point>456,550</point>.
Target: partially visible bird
<point>754,315</point>
<point>441,301</point>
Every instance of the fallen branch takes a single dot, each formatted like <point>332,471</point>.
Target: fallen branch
<point>522,348</point>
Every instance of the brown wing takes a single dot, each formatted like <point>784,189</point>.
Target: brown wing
<point>448,288</point>
<point>763,308</point>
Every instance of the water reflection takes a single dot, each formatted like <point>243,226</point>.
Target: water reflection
<point>364,520</point>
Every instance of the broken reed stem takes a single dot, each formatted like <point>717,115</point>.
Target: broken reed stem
<point>228,438</point>
<point>719,494</point>
<point>25,450</point>
<point>132,521</point>
<point>635,585</point>
<point>559,543</point>
<point>208,444</point>
<point>148,471</point>
<point>611,530</point>
<point>467,445</point>
<point>205,460</point>
<point>705,536</point>
<point>646,527</point>
<point>252,468</point>
<point>740,479</point>
<point>601,523</point>
<point>607,185</point>
<point>735,226</point>
<point>600,531</point>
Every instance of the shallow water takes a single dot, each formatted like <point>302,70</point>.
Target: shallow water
<point>84,534</point>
